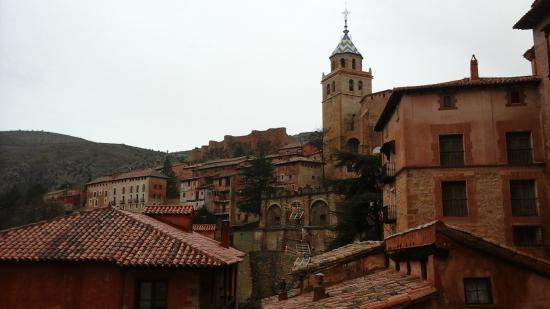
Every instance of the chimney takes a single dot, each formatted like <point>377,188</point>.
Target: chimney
<point>226,231</point>
<point>474,72</point>
<point>319,290</point>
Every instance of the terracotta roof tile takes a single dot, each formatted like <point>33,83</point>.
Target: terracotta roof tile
<point>204,227</point>
<point>339,254</point>
<point>381,289</point>
<point>148,172</point>
<point>398,92</point>
<point>120,237</point>
<point>168,210</point>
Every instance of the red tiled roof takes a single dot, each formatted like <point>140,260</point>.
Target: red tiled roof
<point>110,235</point>
<point>380,289</point>
<point>147,172</point>
<point>426,234</point>
<point>398,92</point>
<point>539,10</point>
<point>204,227</point>
<point>338,255</point>
<point>168,210</point>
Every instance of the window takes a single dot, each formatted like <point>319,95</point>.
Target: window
<point>220,182</point>
<point>131,189</point>
<point>523,198</point>
<point>350,82</point>
<point>527,235</point>
<point>360,85</point>
<point>477,291</point>
<point>328,88</point>
<point>143,188</point>
<point>343,63</point>
<point>114,191</point>
<point>515,98</point>
<point>519,147</point>
<point>137,188</point>
<point>123,190</point>
<point>353,64</point>
<point>447,101</point>
<point>333,86</point>
<point>152,294</point>
<point>333,65</point>
<point>451,150</point>
<point>454,198</point>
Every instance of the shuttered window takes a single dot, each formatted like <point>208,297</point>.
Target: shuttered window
<point>523,198</point>
<point>455,203</point>
<point>519,148</point>
<point>451,150</point>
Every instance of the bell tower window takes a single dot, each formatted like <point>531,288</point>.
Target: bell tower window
<point>333,65</point>
<point>353,64</point>
<point>343,63</point>
<point>360,85</point>
<point>350,85</point>
<point>328,89</point>
<point>333,86</point>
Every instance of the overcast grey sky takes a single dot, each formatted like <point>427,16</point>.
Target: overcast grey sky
<point>173,74</point>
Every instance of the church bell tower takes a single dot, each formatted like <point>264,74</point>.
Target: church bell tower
<point>343,89</point>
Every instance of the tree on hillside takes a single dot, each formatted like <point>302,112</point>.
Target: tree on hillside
<point>317,139</point>
<point>359,215</point>
<point>171,182</point>
<point>258,179</point>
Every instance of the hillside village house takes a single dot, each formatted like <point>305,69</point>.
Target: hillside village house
<point>129,191</point>
<point>110,258</point>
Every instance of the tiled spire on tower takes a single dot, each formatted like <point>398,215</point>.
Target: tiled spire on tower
<point>346,45</point>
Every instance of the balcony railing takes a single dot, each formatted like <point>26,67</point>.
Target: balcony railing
<point>520,156</point>
<point>389,213</point>
<point>524,207</point>
<point>452,158</point>
<point>388,172</point>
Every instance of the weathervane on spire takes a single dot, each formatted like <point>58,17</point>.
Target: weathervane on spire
<point>346,14</point>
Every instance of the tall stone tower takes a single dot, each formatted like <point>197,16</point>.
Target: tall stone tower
<point>343,89</point>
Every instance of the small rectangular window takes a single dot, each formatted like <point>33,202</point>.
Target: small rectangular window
<point>515,97</point>
<point>477,291</point>
<point>451,150</point>
<point>527,236</point>
<point>446,101</point>
<point>455,203</point>
<point>152,294</point>
<point>519,148</point>
<point>523,198</point>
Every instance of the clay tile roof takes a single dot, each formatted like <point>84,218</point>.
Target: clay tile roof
<point>465,83</point>
<point>147,172</point>
<point>168,210</point>
<point>539,10</point>
<point>115,236</point>
<point>350,251</point>
<point>420,236</point>
<point>381,289</point>
<point>204,227</point>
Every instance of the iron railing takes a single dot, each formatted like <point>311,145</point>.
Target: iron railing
<point>452,158</point>
<point>520,156</point>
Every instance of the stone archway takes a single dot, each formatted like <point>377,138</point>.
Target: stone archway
<point>319,214</point>
<point>274,216</point>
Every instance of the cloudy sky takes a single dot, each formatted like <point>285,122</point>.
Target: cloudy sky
<point>173,74</point>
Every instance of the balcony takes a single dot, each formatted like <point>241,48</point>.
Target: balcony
<point>520,156</point>
<point>388,172</point>
<point>389,214</point>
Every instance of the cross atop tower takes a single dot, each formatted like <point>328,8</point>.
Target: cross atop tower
<point>346,14</point>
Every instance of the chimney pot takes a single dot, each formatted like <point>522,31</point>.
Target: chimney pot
<point>319,291</point>
<point>474,72</point>
<point>226,230</point>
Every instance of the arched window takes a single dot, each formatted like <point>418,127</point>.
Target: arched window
<point>319,214</point>
<point>350,85</point>
<point>333,65</point>
<point>360,85</point>
<point>273,218</point>
<point>333,86</point>
<point>353,64</point>
<point>343,63</point>
<point>352,145</point>
<point>328,88</point>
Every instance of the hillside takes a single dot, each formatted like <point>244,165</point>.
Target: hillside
<point>50,159</point>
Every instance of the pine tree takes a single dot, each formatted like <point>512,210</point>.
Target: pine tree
<point>359,213</point>
<point>171,182</point>
<point>258,179</point>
